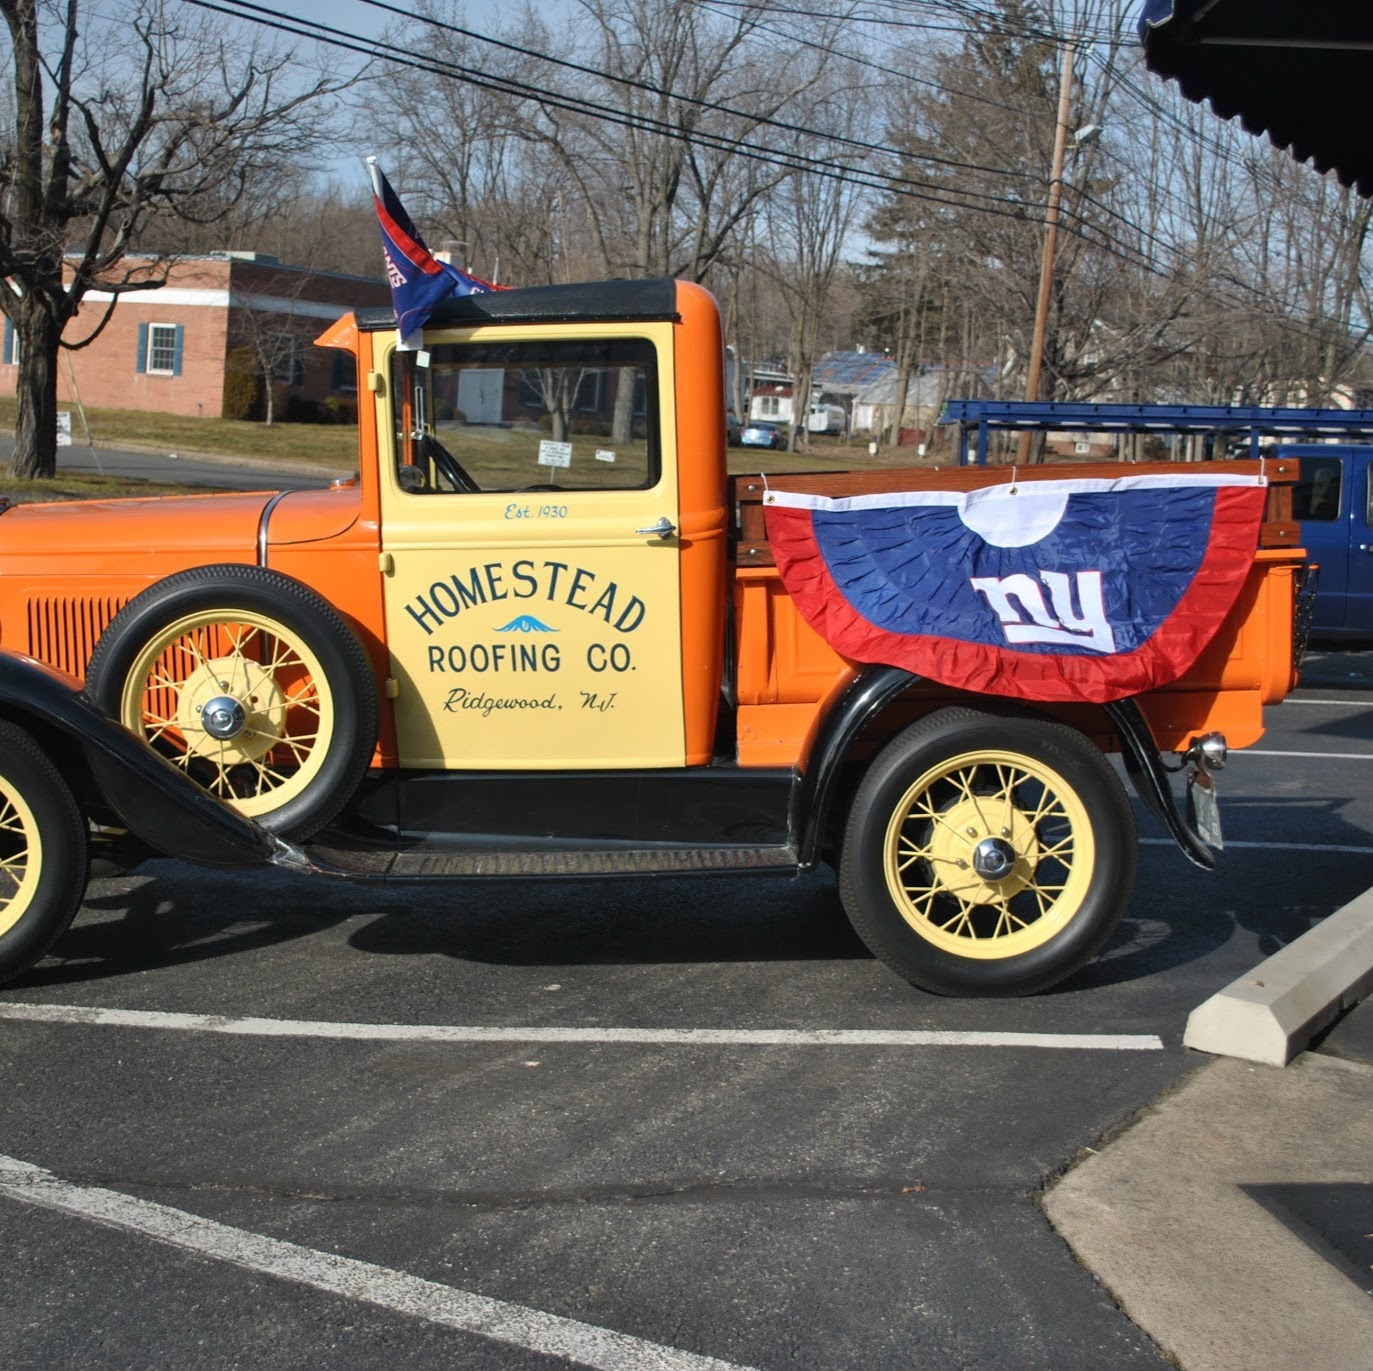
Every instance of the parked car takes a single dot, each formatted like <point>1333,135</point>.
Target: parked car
<point>733,428</point>
<point>762,435</point>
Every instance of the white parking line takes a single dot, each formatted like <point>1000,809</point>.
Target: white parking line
<point>684,1037</point>
<point>1344,704</point>
<point>1330,756</point>
<point>515,1324</point>
<point>1277,847</point>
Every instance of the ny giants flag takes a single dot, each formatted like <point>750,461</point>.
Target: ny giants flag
<point>1051,590</point>
<point>418,280</point>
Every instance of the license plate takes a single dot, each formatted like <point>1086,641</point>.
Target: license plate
<point>1203,807</point>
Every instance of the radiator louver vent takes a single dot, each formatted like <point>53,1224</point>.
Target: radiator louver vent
<point>63,631</point>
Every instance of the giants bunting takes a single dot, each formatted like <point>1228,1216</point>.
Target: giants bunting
<point>1079,589</point>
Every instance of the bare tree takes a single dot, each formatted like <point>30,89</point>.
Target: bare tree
<point>121,116</point>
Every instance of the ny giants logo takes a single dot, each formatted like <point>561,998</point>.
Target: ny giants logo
<point>1014,599</point>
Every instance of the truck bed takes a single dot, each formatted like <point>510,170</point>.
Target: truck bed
<point>786,671</point>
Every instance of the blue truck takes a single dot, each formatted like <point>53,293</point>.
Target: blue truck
<point>1333,500</point>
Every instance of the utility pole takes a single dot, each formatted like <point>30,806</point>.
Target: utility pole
<point>1046,264</point>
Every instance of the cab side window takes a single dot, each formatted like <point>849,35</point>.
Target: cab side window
<point>578,414</point>
<point>1316,496</point>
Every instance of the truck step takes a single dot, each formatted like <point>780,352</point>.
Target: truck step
<point>585,861</point>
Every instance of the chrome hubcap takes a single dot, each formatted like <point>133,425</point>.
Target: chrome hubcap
<point>223,718</point>
<point>993,859</point>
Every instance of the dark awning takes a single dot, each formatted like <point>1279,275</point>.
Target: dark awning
<point>1300,71</point>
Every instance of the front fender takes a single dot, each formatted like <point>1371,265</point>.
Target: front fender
<point>152,798</point>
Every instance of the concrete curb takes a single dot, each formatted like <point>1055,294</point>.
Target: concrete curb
<point>1175,1218</point>
<point>1271,1014</point>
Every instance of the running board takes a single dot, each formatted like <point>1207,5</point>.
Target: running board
<point>565,862</point>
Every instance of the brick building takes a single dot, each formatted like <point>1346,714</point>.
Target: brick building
<point>220,320</point>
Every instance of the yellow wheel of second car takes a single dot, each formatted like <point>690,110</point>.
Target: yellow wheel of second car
<point>987,853</point>
<point>251,683</point>
<point>237,700</point>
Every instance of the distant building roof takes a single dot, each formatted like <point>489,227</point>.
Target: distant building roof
<point>851,372</point>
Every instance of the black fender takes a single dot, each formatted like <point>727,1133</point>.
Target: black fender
<point>813,795</point>
<point>1147,774</point>
<point>153,799</point>
<point>875,687</point>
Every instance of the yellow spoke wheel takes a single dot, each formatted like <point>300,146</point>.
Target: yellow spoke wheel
<point>251,683</point>
<point>238,700</point>
<point>21,855</point>
<point>43,859</point>
<point>987,854</point>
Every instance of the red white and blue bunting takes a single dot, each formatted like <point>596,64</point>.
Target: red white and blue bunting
<point>1079,589</point>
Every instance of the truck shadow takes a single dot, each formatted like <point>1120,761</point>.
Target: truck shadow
<point>168,914</point>
<point>633,923</point>
<point>1273,895</point>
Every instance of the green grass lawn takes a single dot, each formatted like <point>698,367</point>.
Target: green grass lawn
<point>334,446</point>
<point>74,486</point>
<point>330,445</point>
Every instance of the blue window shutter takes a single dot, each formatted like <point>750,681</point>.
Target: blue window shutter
<point>142,364</point>
<point>180,341</point>
<point>8,356</point>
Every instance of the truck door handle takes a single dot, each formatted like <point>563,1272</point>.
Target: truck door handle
<point>664,528</point>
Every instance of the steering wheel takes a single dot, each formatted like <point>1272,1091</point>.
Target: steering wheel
<point>447,465</point>
<point>525,490</point>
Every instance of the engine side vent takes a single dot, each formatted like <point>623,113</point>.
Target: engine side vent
<point>63,630</point>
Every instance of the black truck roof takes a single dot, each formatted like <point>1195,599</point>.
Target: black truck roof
<point>589,301</point>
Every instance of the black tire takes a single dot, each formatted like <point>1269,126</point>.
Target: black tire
<point>294,722</point>
<point>987,854</point>
<point>43,856</point>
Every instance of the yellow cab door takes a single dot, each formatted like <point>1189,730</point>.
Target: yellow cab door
<point>530,550</point>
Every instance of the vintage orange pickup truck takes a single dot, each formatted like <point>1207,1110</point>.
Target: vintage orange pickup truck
<point>543,634</point>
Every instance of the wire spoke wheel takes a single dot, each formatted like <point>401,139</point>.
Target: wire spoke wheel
<point>237,700</point>
<point>988,857</point>
<point>251,683</point>
<point>21,855</point>
<point>43,854</point>
<point>987,854</point>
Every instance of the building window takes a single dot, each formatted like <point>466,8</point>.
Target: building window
<point>345,374</point>
<point>283,353</point>
<point>162,349</point>
<point>159,349</point>
<point>769,407</point>
<point>590,398</point>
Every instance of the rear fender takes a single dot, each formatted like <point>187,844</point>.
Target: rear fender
<point>860,702</point>
<point>152,798</point>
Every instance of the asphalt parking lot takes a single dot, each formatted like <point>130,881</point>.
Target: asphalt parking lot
<point>677,1124</point>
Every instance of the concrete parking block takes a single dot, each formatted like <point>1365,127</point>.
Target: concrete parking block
<point>1273,1012</point>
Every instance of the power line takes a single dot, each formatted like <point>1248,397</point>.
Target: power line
<point>791,161</point>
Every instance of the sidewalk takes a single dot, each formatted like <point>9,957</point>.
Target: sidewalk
<point>1233,1221</point>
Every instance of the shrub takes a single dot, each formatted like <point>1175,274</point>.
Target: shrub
<point>242,386</point>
